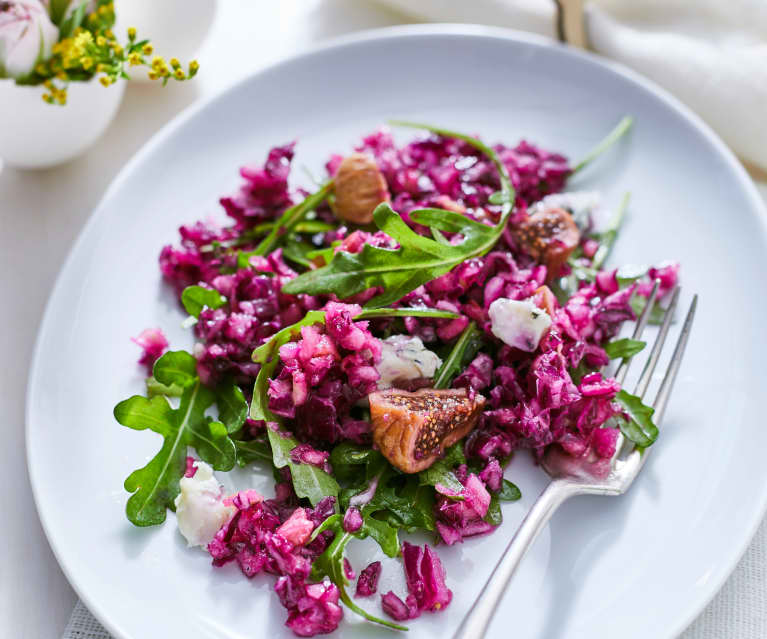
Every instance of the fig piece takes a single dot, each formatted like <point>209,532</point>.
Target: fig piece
<point>359,188</point>
<point>549,236</point>
<point>413,429</point>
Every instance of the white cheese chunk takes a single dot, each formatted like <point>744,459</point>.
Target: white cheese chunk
<point>200,511</point>
<point>520,324</point>
<point>404,357</point>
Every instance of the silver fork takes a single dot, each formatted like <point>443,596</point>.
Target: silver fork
<point>578,479</point>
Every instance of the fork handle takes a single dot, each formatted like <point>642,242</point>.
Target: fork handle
<point>475,623</point>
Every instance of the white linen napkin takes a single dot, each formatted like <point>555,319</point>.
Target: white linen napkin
<point>710,54</point>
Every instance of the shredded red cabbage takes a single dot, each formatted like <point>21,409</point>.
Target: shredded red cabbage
<point>535,400</point>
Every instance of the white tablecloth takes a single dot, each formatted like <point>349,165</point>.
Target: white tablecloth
<point>41,213</point>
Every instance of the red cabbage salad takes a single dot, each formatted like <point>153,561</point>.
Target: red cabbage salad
<point>383,343</point>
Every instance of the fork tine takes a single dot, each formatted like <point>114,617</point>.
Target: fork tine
<point>623,368</point>
<point>664,392</point>
<point>652,361</point>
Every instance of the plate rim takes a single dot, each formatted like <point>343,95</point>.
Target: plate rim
<point>713,586</point>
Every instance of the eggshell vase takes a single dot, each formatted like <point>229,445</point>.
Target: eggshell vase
<point>176,28</point>
<point>35,135</point>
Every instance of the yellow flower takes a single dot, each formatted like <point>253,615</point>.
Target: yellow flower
<point>147,49</point>
<point>87,63</point>
<point>118,50</point>
<point>109,34</point>
<point>157,62</point>
<point>179,74</point>
<point>134,59</point>
<point>81,41</point>
<point>153,75</point>
<point>193,67</point>
<point>101,68</point>
<point>101,41</point>
<point>175,63</point>
<point>47,97</point>
<point>131,33</point>
<point>40,69</point>
<point>104,79</point>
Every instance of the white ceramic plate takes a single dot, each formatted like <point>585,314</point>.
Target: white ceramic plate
<point>640,566</point>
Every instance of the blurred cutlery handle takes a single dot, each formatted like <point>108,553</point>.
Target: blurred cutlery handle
<point>571,23</point>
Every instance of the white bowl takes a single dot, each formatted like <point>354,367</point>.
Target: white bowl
<point>37,135</point>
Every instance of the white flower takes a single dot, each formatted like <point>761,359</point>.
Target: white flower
<point>26,36</point>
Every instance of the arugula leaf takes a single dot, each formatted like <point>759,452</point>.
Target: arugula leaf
<point>286,223</point>
<point>196,298</point>
<point>494,515</point>
<point>325,253</point>
<point>306,226</point>
<point>509,491</point>
<point>505,197</point>
<point>616,134</point>
<point>441,471</point>
<point>397,500</point>
<point>406,311</point>
<point>630,273</point>
<point>580,371</point>
<point>639,428</point>
<point>383,534</point>
<point>153,387</point>
<point>608,236</point>
<point>565,287</point>
<point>624,348</point>
<point>403,503</point>
<point>657,312</point>
<point>308,481</point>
<point>155,486</point>
<point>331,564</point>
<point>297,252</point>
<point>232,407</point>
<point>464,349</point>
<point>345,457</point>
<point>398,271</point>
<point>251,451</point>
<point>418,259</point>
<point>176,367</point>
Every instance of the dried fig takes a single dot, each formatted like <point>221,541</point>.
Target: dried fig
<point>359,188</point>
<point>413,429</point>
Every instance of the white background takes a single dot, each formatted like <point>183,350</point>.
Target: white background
<point>41,214</point>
